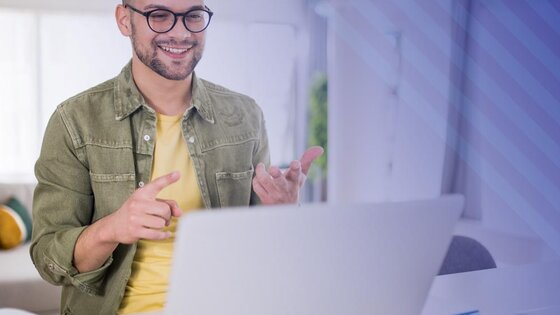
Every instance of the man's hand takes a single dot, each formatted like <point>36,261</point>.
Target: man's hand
<point>276,186</point>
<point>143,216</point>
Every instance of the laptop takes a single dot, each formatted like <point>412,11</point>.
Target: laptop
<point>311,259</point>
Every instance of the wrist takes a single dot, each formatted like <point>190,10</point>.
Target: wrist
<point>105,231</point>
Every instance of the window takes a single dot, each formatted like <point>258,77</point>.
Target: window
<point>52,56</point>
<point>77,51</point>
<point>19,131</point>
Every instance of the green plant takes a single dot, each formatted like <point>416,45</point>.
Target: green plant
<point>318,123</point>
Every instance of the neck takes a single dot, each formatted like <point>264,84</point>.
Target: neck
<point>167,97</point>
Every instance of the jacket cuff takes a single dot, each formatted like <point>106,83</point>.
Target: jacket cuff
<point>59,264</point>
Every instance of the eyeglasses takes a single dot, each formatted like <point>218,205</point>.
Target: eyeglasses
<point>163,20</point>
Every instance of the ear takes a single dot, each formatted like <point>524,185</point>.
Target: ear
<point>122,16</point>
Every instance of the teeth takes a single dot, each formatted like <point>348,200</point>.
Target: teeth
<point>174,50</point>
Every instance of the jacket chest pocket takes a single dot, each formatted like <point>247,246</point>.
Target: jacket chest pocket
<point>112,177</point>
<point>234,189</point>
<point>110,191</point>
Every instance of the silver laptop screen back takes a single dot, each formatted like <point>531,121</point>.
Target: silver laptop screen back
<point>315,259</point>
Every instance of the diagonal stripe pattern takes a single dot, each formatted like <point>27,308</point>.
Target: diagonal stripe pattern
<point>505,93</point>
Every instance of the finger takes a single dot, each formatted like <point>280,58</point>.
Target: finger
<point>157,208</point>
<point>274,171</point>
<point>152,189</point>
<point>267,183</point>
<point>260,191</point>
<point>294,171</point>
<point>257,183</point>
<point>153,222</point>
<point>151,234</point>
<point>176,211</point>
<point>309,156</point>
<point>280,184</point>
<point>274,187</point>
<point>261,174</point>
<point>260,171</point>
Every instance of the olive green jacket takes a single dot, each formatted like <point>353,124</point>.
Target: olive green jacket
<point>98,148</point>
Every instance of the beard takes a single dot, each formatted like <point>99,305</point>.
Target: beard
<point>177,70</point>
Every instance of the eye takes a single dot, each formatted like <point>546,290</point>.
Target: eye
<point>195,16</point>
<point>160,15</point>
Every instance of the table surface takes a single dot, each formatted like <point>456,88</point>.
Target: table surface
<point>527,289</point>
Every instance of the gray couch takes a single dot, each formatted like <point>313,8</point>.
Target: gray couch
<point>21,286</point>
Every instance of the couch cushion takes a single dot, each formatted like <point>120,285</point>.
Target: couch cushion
<point>22,191</point>
<point>15,224</point>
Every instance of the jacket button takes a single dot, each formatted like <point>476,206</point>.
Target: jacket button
<point>191,140</point>
<point>51,267</point>
<point>147,138</point>
<point>141,184</point>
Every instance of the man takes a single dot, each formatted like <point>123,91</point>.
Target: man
<point>122,160</point>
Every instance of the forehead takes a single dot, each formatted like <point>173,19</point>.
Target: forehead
<point>178,5</point>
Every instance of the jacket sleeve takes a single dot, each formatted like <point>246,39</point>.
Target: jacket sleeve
<point>261,154</point>
<point>62,208</point>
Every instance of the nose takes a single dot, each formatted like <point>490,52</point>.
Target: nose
<point>179,30</point>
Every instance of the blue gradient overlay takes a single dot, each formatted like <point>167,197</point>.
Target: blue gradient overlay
<point>504,92</point>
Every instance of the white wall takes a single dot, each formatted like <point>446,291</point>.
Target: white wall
<point>260,60</point>
<point>388,100</point>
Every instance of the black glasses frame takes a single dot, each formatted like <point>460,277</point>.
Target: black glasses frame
<point>175,17</point>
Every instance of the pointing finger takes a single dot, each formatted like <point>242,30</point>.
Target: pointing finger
<point>152,189</point>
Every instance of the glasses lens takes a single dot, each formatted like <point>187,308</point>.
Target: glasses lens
<point>161,21</point>
<point>197,20</point>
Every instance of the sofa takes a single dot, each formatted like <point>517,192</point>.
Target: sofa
<point>21,287</point>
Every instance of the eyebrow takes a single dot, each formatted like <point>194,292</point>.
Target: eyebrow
<point>159,6</point>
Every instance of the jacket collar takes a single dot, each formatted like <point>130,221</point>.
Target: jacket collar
<point>201,100</point>
<point>128,98</point>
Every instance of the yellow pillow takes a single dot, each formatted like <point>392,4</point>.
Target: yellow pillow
<point>15,224</point>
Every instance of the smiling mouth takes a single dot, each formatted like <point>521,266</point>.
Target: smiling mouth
<point>175,50</point>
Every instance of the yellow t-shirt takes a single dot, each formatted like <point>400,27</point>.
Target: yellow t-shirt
<point>147,287</point>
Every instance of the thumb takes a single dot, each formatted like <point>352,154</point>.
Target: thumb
<point>309,156</point>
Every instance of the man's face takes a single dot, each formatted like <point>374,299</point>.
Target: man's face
<point>172,55</point>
